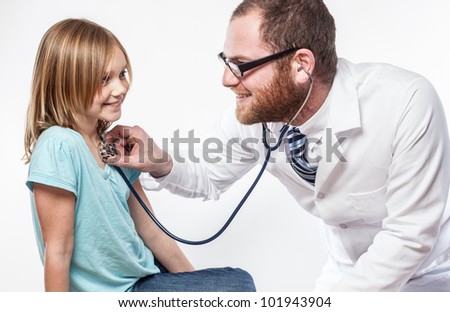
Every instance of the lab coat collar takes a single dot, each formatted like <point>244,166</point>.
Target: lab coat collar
<point>344,105</point>
<point>344,121</point>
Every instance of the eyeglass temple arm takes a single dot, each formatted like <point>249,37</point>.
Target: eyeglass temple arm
<point>249,65</point>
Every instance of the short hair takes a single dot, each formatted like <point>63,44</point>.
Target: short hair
<point>297,23</point>
<point>71,60</point>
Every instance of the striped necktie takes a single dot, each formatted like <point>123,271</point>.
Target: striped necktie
<point>297,144</point>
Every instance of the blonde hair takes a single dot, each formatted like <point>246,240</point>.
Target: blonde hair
<point>71,61</point>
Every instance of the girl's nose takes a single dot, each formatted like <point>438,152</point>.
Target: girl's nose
<point>120,87</point>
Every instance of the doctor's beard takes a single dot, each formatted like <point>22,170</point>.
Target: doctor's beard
<point>277,102</point>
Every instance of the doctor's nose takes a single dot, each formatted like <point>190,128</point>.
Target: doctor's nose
<point>229,79</point>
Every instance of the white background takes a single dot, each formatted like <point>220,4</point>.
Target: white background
<point>173,46</point>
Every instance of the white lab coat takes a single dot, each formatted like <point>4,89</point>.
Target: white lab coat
<point>382,202</point>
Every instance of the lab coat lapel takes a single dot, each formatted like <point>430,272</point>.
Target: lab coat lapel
<point>332,155</point>
<point>344,120</point>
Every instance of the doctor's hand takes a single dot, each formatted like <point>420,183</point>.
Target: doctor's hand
<point>136,149</point>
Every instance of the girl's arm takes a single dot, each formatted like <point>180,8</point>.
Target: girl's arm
<point>56,211</point>
<point>163,247</point>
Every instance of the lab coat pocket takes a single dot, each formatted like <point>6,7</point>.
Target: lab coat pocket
<point>370,206</point>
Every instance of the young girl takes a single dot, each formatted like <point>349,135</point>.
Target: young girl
<point>92,235</point>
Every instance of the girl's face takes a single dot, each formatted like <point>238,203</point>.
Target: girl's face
<point>107,104</point>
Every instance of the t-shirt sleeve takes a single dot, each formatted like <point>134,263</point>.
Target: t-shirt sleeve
<point>52,164</point>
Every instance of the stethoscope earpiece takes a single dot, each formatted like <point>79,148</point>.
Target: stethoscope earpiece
<point>300,68</point>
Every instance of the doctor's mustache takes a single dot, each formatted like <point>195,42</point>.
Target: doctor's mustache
<point>192,148</point>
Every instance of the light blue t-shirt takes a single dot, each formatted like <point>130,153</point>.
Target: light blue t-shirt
<point>108,254</point>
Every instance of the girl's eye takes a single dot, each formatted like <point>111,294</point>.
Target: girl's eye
<point>123,74</point>
<point>105,80</point>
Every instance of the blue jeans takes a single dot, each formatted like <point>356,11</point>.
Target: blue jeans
<point>207,280</point>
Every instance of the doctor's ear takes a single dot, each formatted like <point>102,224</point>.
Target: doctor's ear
<point>304,63</point>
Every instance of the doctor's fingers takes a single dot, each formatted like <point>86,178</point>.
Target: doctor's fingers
<point>123,158</point>
<point>125,135</point>
<point>127,132</point>
<point>119,131</point>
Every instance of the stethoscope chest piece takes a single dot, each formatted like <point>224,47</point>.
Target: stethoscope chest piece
<point>106,150</point>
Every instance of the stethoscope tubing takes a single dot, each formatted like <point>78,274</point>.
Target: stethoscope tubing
<point>235,211</point>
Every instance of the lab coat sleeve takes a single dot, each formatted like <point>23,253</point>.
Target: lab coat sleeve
<point>417,189</point>
<point>224,158</point>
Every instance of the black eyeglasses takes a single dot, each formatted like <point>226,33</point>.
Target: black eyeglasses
<point>239,69</point>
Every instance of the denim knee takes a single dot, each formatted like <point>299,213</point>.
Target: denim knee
<point>206,280</point>
<point>244,280</point>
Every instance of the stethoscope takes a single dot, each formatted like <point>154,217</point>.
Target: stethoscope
<point>109,149</point>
